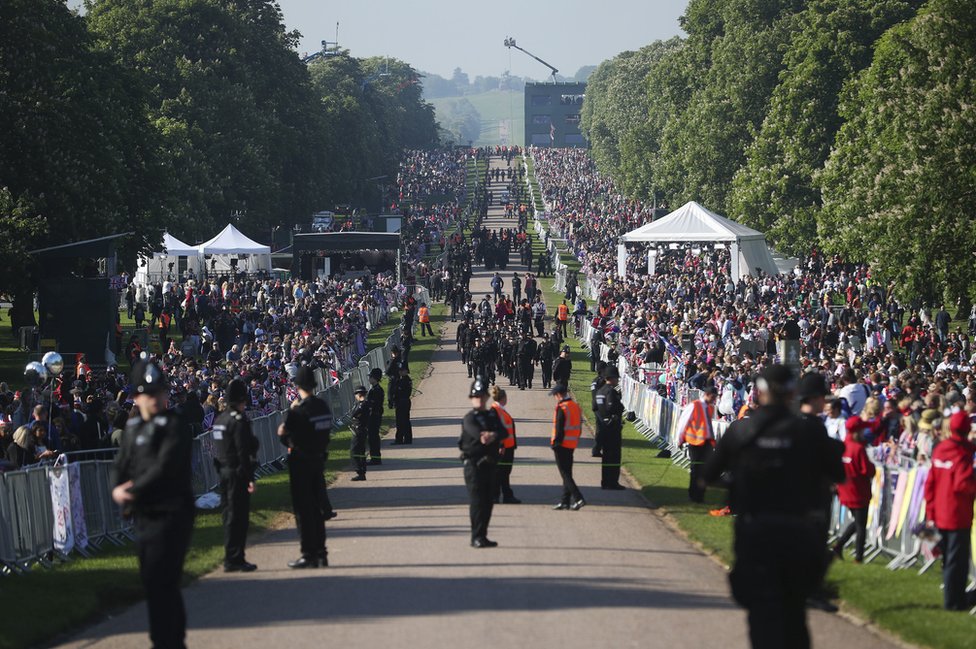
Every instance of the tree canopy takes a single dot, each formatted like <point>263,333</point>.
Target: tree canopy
<point>842,125</point>
<point>182,115</point>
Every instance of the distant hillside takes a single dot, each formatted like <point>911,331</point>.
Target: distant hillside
<point>501,111</point>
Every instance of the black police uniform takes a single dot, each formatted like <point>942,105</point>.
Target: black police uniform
<point>595,386</point>
<point>480,462</point>
<point>358,423</point>
<point>236,448</point>
<point>561,370</point>
<point>374,398</point>
<point>308,429</point>
<point>526,357</point>
<point>402,392</point>
<point>778,462</point>
<point>155,455</point>
<point>546,354</point>
<point>610,413</point>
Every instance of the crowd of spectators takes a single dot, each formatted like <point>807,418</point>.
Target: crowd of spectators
<point>203,332</point>
<point>901,367</point>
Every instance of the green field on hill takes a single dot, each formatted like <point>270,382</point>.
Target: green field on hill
<point>498,108</point>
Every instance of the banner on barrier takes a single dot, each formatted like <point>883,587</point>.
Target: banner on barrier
<point>64,540</point>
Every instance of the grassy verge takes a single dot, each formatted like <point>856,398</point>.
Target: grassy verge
<point>900,602</point>
<point>82,590</point>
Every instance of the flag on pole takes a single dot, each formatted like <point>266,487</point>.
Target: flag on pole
<point>552,133</point>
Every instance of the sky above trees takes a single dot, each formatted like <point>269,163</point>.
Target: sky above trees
<point>440,35</point>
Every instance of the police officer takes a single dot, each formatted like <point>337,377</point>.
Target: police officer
<point>375,398</point>
<point>526,357</point>
<point>481,434</point>
<point>402,392</point>
<point>306,432</point>
<point>610,414</point>
<point>595,385</point>
<point>152,483</point>
<point>545,356</point>
<point>567,424</point>
<point>778,462</point>
<point>236,461</point>
<point>358,423</point>
<point>562,368</point>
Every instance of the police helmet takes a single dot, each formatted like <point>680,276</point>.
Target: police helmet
<point>305,378</point>
<point>611,372</point>
<point>479,387</point>
<point>236,391</point>
<point>147,378</point>
<point>360,390</point>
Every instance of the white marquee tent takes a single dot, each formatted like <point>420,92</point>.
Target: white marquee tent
<point>156,268</point>
<point>693,223</point>
<point>232,246</point>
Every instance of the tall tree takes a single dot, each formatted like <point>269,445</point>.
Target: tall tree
<point>77,155</point>
<point>232,101</point>
<point>616,114</point>
<point>744,43</point>
<point>775,190</point>
<point>899,185</point>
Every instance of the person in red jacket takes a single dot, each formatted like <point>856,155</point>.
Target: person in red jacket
<point>949,493</point>
<point>855,491</point>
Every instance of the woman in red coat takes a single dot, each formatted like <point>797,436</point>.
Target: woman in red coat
<point>855,492</point>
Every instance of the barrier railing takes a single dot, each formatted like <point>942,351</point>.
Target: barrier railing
<point>51,511</point>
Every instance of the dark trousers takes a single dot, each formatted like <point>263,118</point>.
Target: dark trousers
<point>373,436</point>
<point>597,436</point>
<point>357,450</point>
<point>404,430</point>
<point>526,374</point>
<point>307,491</point>
<point>564,462</point>
<point>858,524</point>
<point>611,444</point>
<point>479,481</point>
<point>955,568</point>
<point>425,326</point>
<point>540,326</point>
<point>236,505</point>
<point>778,564</point>
<point>563,327</point>
<point>503,474</point>
<point>698,455</point>
<point>546,374</point>
<point>162,541</point>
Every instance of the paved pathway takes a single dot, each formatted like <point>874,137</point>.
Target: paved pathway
<point>403,574</point>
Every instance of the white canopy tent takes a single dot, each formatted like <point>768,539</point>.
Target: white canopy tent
<point>230,248</point>
<point>156,267</point>
<point>693,223</point>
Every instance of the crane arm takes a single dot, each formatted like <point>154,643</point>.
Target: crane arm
<point>510,42</point>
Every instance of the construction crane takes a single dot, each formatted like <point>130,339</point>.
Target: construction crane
<point>510,43</point>
<point>326,50</point>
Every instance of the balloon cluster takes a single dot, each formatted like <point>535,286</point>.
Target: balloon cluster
<point>37,373</point>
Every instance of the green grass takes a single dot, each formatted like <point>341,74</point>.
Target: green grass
<point>901,602</point>
<point>82,590</point>
<point>495,107</point>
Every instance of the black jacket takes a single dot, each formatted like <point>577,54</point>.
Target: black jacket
<point>236,445</point>
<point>155,455</point>
<point>470,442</point>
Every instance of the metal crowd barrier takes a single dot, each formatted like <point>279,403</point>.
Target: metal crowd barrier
<point>87,517</point>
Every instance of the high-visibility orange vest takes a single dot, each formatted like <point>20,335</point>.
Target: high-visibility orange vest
<point>423,314</point>
<point>744,411</point>
<point>572,423</point>
<point>696,432</point>
<point>563,312</point>
<point>508,442</point>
